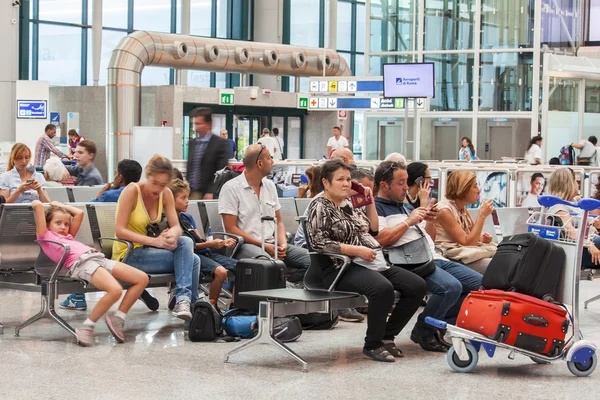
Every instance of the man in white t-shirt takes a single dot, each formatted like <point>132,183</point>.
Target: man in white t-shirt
<point>279,140</point>
<point>270,143</point>
<point>537,186</point>
<point>337,141</point>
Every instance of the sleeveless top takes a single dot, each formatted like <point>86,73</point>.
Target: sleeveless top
<point>463,218</point>
<point>138,221</point>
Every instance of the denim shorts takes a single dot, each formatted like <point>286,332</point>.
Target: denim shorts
<point>85,266</point>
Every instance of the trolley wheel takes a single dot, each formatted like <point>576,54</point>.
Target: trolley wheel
<point>539,361</point>
<point>579,369</point>
<point>463,366</point>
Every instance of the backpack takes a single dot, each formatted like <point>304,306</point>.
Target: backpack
<point>566,156</point>
<point>287,329</point>
<point>239,322</point>
<point>319,321</point>
<point>221,177</point>
<point>206,324</point>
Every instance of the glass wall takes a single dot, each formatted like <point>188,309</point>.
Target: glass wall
<point>58,36</point>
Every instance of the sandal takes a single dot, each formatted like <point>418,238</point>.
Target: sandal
<point>393,350</point>
<point>379,354</point>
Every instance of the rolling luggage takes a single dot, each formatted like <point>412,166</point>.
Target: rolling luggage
<point>258,273</point>
<point>526,263</point>
<point>515,319</point>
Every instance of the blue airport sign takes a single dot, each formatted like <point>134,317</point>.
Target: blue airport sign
<point>55,118</point>
<point>32,109</point>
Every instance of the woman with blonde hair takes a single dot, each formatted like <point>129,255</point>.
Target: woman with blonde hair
<point>461,238</point>
<point>21,183</point>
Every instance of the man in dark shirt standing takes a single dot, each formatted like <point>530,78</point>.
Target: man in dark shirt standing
<point>208,154</point>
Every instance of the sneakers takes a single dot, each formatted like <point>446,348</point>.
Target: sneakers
<point>171,300</point>
<point>150,301</point>
<point>74,302</point>
<point>116,326</point>
<point>182,310</point>
<point>379,354</point>
<point>85,335</point>
<point>351,315</point>
<point>428,343</point>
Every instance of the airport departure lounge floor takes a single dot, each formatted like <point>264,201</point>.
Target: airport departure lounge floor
<point>157,362</point>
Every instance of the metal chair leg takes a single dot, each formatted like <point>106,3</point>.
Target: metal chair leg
<point>595,298</point>
<point>265,336</point>
<point>46,310</point>
<point>36,317</point>
<point>55,316</point>
<point>1,329</point>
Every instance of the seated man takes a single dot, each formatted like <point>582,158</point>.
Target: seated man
<point>86,172</point>
<point>242,202</point>
<point>449,283</point>
<point>537,186</point>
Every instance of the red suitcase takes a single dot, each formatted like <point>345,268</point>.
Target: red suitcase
<point>515,319</point>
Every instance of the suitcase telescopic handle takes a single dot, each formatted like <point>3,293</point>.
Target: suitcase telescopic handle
<point>264,219</point>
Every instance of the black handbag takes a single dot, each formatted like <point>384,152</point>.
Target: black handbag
<point>413,256</point>
<point>154,229</point>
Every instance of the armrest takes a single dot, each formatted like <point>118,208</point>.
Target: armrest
<point>239,239</point>
<point>345,264</point>
<point>66,249</point>
<point>125,242</point>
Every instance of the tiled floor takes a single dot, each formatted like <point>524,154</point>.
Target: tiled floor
<point>157,362</point>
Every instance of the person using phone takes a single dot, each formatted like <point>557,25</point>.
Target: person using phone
<point>419,184</point>
<point>21,183</point>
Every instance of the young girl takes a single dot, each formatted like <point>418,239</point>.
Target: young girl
<point>214,263</point>
<point>61,223</point>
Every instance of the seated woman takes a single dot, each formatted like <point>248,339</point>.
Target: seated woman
<point>562,184</point>
<point>460,238</point>
<point>55,172</point>
<point>334,226</point>
<point>314,186</point>
<point>419,184</point>
<point>142,205</point>
<point>20,183</point>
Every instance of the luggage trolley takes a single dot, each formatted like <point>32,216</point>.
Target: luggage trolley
<point>579,354</point>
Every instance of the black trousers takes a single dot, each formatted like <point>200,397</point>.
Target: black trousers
<point>379,288</point>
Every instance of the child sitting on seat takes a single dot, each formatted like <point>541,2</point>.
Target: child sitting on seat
<point>214,263</point>
<point>61,223</point>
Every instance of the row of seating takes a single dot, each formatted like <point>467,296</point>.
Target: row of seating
<point>73,194</point>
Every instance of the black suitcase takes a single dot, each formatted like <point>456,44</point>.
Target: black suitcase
<point>258,273</point>
<point>527,264</point>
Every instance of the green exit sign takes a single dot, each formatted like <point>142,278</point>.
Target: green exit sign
<point>226,98</point>
<point>302,102</point>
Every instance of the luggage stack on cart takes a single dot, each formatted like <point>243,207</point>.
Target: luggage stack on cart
<point>530,301</point>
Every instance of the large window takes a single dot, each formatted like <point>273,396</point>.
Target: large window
<point>57,37</point>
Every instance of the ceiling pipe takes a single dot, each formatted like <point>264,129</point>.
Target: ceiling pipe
<point>142,48</point>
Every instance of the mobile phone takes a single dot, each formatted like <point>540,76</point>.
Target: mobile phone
<point>429,201</point>
<point>357,187</point>
<point>495,218</point>
<point>419,180</point>
<point>30,180</point>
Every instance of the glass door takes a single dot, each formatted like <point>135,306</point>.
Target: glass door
<point>245,132</point>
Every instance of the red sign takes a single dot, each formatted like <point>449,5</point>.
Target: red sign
<point>313,102</point>
<point>163,123</point>
<point>342,114</point>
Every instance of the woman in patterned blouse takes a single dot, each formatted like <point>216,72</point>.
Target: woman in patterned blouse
<point>334,226</point>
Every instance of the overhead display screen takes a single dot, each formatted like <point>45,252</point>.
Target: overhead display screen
<point>408,80</point>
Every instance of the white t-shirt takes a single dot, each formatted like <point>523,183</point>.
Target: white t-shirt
<point>271,144</point>
<point>279,143</point>
<point>534,152</point>
<point>337,144</point>
<point>530,200</point>
<point>411,233</point>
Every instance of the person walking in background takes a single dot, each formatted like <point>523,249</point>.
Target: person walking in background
<point>533,155</point>
<point>208,154</point>
<point>467,151</point>
<point>337,141</point>
<point>588,154</point>
<point>232,146</point>
<point>270,143</point>
<point>44,147</point>
<point>279,154</point>
<point>74,139</point>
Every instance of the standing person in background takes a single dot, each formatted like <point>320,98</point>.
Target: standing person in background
<point>45,146</point>
<point>467,151</point>
<point>86,172</point>
<point>270,143</point>
<point>208,154</point>
<point>74,139</point>
<point>533,155</point>
<point>588,154</point>
<point>232,147</point>
<point>279,155</point>
<point>337,141</point>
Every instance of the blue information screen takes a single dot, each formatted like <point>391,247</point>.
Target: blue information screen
<point>408,80</point>
<point>34,109</point>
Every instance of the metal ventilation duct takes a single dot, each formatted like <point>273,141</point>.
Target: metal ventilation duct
<point>142,48</point>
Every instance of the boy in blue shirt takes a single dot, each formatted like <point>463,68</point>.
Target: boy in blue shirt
<point>210,262</point>
<point>128,171</point>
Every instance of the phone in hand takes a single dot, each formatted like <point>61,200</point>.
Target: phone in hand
<point>419,181</point>
<point>495,218</point>
<point>30,180</point>
<point>360,199</point>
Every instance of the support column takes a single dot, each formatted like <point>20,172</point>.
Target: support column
<point>580,110</point>
<point>476,73</point>
<point>96,39</point>
<point>268,28</point>
<point>535,90</point>
<point>332,24</point>
<point>545,104</point>
<point>181,75</point>
<point>9,71</point>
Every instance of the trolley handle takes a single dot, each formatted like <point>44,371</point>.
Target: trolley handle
<point>584,204</point>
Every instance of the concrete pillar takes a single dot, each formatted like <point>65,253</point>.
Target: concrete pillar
<point>96,39</point>
<point>181,75</point>
<point>268,28</point>
<point>9,72</point>
<point>331,30</point>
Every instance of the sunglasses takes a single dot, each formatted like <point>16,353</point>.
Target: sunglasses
<point>260,152</point>
<point>394,166</point>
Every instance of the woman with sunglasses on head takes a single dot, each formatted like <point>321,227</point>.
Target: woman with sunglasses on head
<point>419,184</point>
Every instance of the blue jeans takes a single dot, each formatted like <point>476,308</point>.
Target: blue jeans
<point>209,264</point>
<point>182,262</point>
<point>449,284</point>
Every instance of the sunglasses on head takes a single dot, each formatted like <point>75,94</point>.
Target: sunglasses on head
<point>262,147</point>
<point>393,166</point>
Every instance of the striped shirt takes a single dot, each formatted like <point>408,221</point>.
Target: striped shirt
<point>43,148</point>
